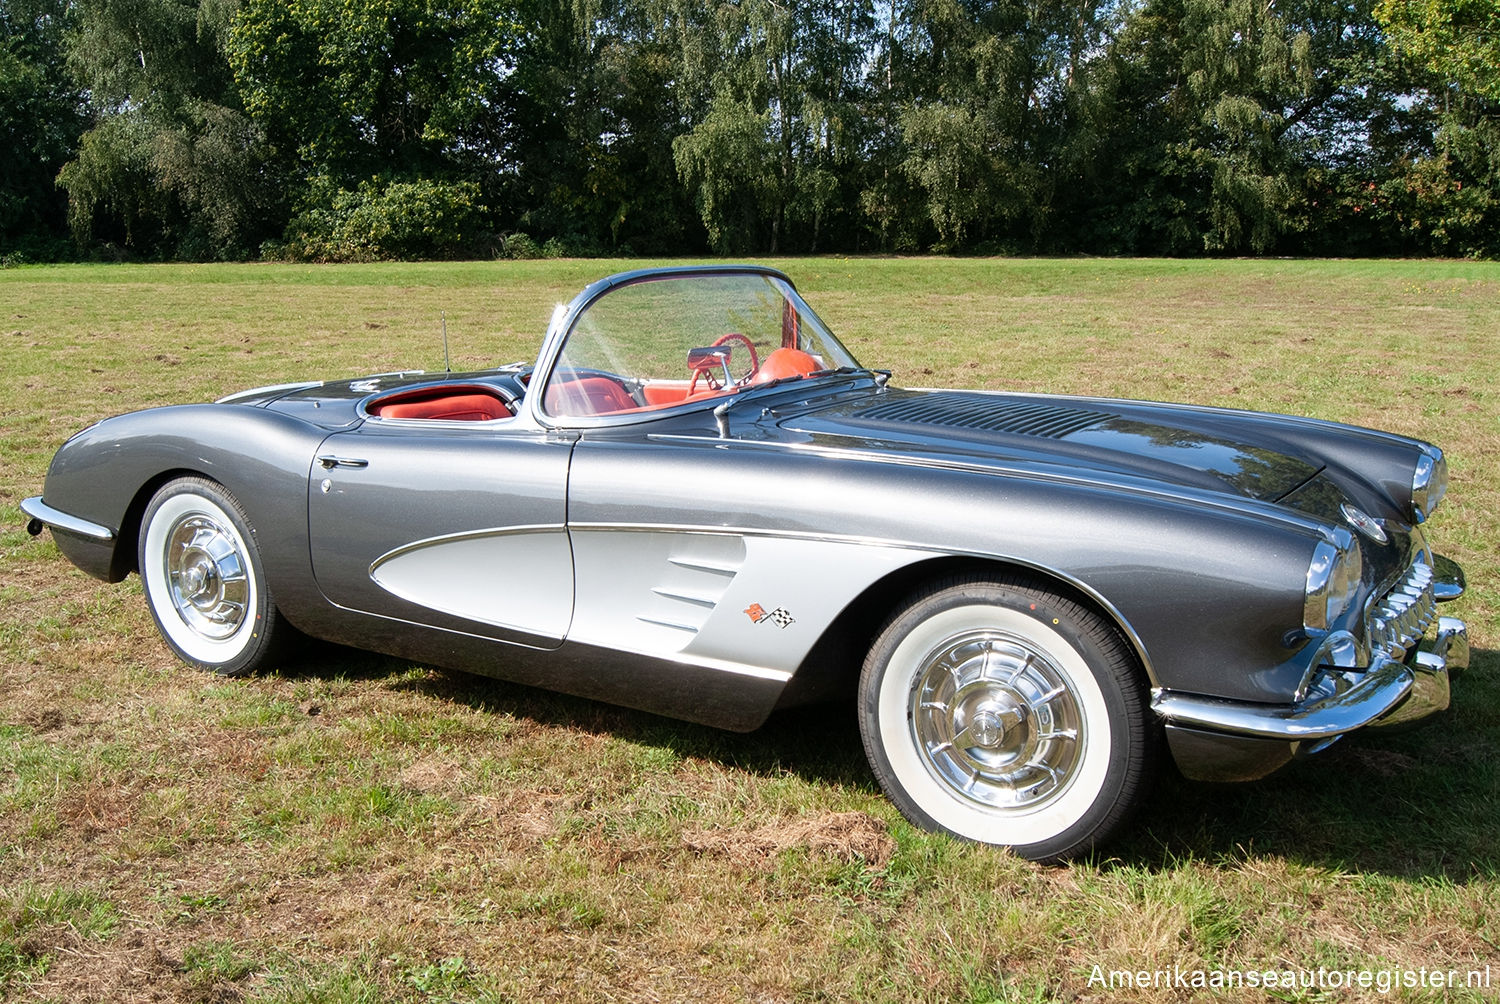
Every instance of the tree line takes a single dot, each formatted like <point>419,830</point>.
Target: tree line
<point>363,129</point>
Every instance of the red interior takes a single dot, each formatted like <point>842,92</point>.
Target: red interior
<point>588,396</point>
<point>454,404</point>
<point>595,395</point>
<point>784,363</point>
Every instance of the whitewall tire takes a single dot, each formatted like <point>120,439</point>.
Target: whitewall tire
<point>205,585</point>
<point>1004,713</point>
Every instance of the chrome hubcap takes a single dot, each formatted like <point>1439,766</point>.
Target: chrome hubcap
<point>995,721</point>
<point>207,577</point>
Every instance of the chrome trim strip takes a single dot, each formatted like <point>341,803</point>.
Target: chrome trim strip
<point>447,538</point>
<point>1371,695</point>
<point>282,389</point>
<point>435,423</point>
<point>59,520</point>
<point>668,624</point>
<point>697,601</point>
<point>489,639</point>
<point>740,531</point>
<point>697,565</point>
<point>718,665</point>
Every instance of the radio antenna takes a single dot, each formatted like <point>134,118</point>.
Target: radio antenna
<point>447,365</point>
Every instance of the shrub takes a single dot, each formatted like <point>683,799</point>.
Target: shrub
<point>384,219</point>
<point>518,245</point>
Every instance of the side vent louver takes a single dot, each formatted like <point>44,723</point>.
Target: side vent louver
<point>979,411</point>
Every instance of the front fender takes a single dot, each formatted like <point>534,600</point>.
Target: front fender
<point>1210,588</point>
<point>107,473</point>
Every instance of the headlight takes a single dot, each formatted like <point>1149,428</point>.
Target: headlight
<point>1332,581</point>
<point>1429,484</point>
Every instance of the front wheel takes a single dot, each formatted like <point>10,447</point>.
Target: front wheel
<point>203,577</point>
<point>1004,713</point>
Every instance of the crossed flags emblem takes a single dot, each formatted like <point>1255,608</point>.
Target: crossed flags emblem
<point>780,617</point>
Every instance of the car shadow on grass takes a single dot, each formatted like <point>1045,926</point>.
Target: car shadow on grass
<point>1418,803</point>
<point>1423,803</point>
<point>820,743</point>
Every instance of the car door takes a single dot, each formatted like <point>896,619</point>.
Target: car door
<point>461,525</point>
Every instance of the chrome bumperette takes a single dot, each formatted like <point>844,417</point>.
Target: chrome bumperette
<point>1437,661</point>
<point>41,512</point>
<point>1448,579</point>
<point>1217,740</point>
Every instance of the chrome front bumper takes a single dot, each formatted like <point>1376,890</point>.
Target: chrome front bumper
<point>41,514</point>
<point>1218,740</point>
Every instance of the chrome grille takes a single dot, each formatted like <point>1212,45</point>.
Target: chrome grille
<point>1399,618</point>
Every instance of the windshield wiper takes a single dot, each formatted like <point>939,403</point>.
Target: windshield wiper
<point>835,371</point>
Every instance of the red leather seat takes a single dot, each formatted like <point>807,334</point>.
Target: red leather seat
<point>448,405</point>
<point>784,362</point>
<point>588,396</point>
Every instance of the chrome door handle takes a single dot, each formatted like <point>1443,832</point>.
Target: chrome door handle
<point>329,462</point>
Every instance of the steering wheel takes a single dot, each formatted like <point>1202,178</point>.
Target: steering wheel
<point>711,378</point>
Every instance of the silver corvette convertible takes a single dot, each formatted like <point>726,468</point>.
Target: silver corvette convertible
<point>696,502</point>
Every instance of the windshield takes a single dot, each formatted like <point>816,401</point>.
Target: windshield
<point>666,341</point>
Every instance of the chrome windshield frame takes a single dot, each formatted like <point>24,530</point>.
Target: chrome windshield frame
<point>565,317</point>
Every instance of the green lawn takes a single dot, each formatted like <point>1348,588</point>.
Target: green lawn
<point>357,829</point>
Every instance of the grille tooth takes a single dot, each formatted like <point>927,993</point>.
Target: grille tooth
<point>976,411</point>
<point>1403,615</point>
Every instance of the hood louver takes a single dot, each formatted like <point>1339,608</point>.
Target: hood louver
<point>980,411</point>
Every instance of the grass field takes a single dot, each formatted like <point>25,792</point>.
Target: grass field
<point>356,829</point>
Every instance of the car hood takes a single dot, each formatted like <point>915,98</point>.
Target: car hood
<point>1204,448</point>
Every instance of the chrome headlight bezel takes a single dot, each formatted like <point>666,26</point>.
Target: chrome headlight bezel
<point>1429,483</point>
<point>1333,578</point>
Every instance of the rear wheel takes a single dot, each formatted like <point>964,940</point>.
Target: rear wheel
<point>204,581</point>
<point>1005,713</point>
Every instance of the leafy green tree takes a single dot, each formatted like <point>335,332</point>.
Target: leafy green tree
<point>1449,199</point>
<point>1231,114</point>
<point>589,113</point>
<point>376,128</point>
<point>997,120</point>
<point>1456,40</point>
<point>171,166</point>
<point>775,95</point>
<point>41,118</point>
<point>379,109</point>
<point>354,88</point>
<point>387,220</point>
